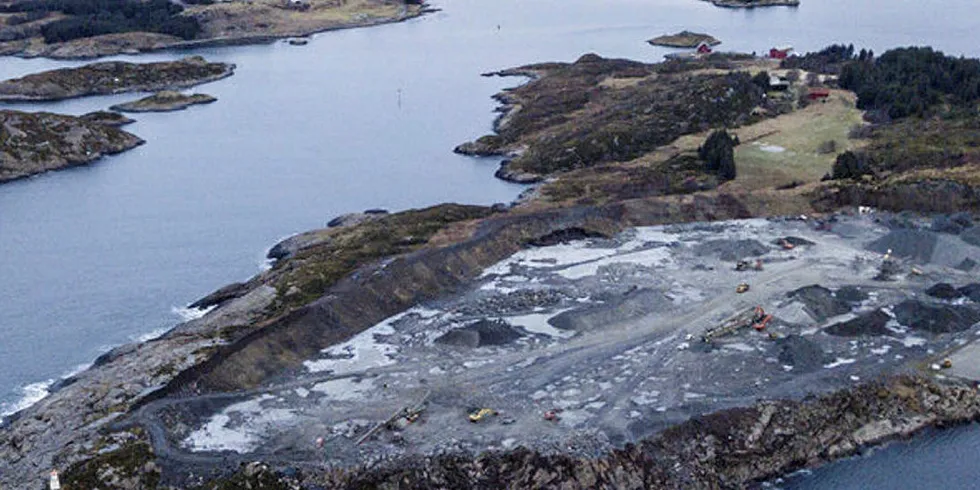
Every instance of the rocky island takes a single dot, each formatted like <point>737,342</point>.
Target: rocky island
<point>748,4</point>
<point>597,333</point>
<point>32,143</point>
<point>164,101</point>
<point>113,77</point>
<point>93,30</point>
<point>684,39</point>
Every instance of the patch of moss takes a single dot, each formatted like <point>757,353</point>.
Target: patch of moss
<point>307,275</point>
<point>127,466</point>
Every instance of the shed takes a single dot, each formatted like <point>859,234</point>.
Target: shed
<point>780,52</point>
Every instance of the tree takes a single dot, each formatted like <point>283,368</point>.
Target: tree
<point>718,154</point>
<point>761,80</point>
<point>850,165</point>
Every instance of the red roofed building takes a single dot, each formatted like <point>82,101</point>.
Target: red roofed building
<point>703,48</point>
<point>780,53</point>
<point>818,93</point>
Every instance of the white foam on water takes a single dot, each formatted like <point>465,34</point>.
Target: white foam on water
<point>187,314</point>
<point>840,361</point>
<point>29,395</point>
<point>772,148</point>
<point>35,392</point>
<point>146,337</point>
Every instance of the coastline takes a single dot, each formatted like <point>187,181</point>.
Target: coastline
<point>182,330</point>
<point>175,44</point>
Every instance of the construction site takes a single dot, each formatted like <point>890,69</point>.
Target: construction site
<point>582,346</point>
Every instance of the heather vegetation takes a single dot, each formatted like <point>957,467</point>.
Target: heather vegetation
<point>87,18</point>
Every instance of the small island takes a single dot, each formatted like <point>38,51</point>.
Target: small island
<point>748,4</point>
<point>33,143</point>
<point>113,77</point>
<point>165,101</point>
<point>684,39</point>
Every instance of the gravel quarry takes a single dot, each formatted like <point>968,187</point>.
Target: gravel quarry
<point>583,346</point>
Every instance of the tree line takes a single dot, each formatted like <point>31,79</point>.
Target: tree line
<point>88,18</point>
<point>913,82</point>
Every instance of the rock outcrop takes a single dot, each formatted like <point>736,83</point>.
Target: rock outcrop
<point>165,101</point>
<point>684,39</point>
<point>32,143</point>
<point>113,77</point>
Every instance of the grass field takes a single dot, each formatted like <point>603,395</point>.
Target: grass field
<point>784,149</point>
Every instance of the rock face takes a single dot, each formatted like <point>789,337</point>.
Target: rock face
<point>684,39</point>
<point>113,77</point>
<point>32,143</point>
<point>165,101</point>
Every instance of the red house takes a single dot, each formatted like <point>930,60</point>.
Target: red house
<point>703,48</point>
<point>780,53</point>
<point>818,94</point>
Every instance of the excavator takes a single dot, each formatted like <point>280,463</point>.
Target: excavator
<point>756,317</point>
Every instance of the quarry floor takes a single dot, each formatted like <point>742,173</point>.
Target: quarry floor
<point>605,333</point>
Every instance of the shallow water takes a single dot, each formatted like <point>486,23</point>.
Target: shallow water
<point>105,254</point>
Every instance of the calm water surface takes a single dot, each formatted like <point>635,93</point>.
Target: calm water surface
<point>101,255</point>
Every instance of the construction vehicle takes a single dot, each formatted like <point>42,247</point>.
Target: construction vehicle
<point>478,415</point>
<point>756,317</point>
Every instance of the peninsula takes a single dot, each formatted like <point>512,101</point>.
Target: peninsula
<point>113,77</point>
<point>32,143</point>
<point>165,101</point>
<point>88,29</point>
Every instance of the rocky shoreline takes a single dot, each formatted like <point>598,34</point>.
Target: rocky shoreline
<point>225,24</point>
<point>113,77</point>
<point>124,423</point>
<point>33,143</point>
